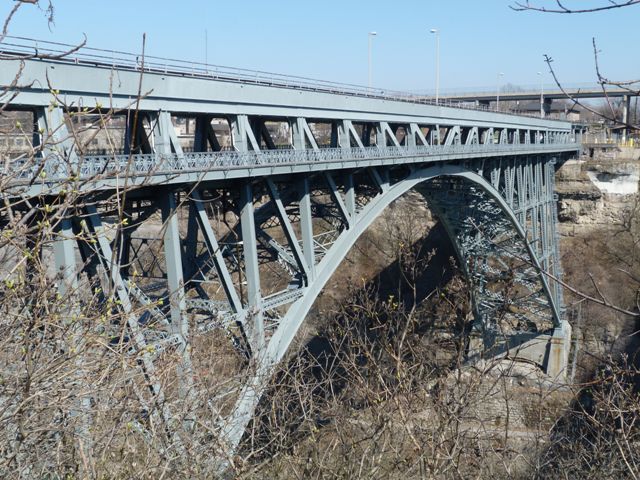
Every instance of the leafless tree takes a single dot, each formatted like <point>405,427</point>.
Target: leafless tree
<point>599,435</point>
<point>387,394</point>
<point>631,86</point>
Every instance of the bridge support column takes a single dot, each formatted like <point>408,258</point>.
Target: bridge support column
<point>298,141</point>
<point>301,134</point>
<point>173,259</point>
<point>175,291</point>
<point>351,197</point>
<point>300,258</point>
<point>557,359</point>
<point>306,227</point>
<point>66,272</point>
<point>252,271</point>
<point>415,131</point>
<point>65,260</point>
<point>546,106</point>
<point>626,107</point>
<point>114,285</point>
<point>384,135</point>
<point>337,198</point>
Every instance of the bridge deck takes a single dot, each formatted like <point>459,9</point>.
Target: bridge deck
<point>107,171</point>
<point>116,82</point>
<point>58,54</point>
<point>240,258</point>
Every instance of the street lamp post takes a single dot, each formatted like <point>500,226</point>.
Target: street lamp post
<point>437,32</point>
<point>541,96</point>
<point>501,74</point>
<point>206,50</point>
<point>371,35</point>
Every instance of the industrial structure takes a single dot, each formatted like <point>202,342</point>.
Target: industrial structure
<point>236,244</point>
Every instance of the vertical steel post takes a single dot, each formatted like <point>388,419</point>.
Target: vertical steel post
<point>242,135</point>
<point>95,230</point>
<point>173,259</point>
<point>57,142</point>
<point>626,107</point>
<point>191,247</point>
<point>306,227</point>
<point>175,282</point>
<point>252,271</point>
<point>66,272</point>
<point>65,259</point>
<point>297,134</point>
<point>350,197</point>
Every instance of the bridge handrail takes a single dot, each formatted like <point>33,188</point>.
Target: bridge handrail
<point>13,47</point>
<point>169,163</point>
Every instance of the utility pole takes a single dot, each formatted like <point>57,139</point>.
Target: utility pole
<point>498,91</point>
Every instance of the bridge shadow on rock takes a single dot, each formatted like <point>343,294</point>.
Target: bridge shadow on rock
<point>399,331</point>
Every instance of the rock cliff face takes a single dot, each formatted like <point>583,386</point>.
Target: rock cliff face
<point>579,199</point>
<point>599,235</point>
<point>595,193</point>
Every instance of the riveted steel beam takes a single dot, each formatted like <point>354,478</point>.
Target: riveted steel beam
<point>453,136</point>
<point>173,259</point>
<point>215,252</point>
<point>242,134</point>
<point>384,132</point>
<point>252,270</point>
<point>302,134</point>
<point>336,196</point>
<point>288,229</point>
<point>306,227</point>
<point>416,132</point>
<point>65,258</point>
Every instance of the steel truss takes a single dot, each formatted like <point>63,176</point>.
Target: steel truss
<point>251,283</point>
<point>245,240</point>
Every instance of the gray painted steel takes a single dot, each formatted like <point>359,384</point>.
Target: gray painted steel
<point>489,177</point>
<point>551,94</point>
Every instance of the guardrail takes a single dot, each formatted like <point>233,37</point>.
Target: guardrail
<point>105,166</point>
<point>12,48</point>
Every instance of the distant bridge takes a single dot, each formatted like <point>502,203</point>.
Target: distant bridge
<point>551,93</point>
<point>545,96</point>
<point>247,238</point>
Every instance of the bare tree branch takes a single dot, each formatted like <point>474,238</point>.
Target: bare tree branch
<point>524,6</point>
<point>576,101</point>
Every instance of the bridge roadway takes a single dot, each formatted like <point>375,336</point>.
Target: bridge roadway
<point>555,93</point>
<point>263,228</point>
<point>485,98</point>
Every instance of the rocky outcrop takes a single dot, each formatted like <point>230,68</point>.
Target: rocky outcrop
<point>595,192</point>
<point>579,200</point>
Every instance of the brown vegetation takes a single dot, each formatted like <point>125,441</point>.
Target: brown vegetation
<point>379,389</point>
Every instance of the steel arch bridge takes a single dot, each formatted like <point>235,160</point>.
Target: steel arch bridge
<point>236,244</point>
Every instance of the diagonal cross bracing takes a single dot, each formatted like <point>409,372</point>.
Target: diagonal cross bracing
<point>489,176</point>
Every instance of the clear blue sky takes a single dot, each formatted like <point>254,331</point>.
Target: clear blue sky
<point>328,39</point>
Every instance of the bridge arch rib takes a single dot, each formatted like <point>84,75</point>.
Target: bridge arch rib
<point>169,286</point>
<point>493,244</point>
